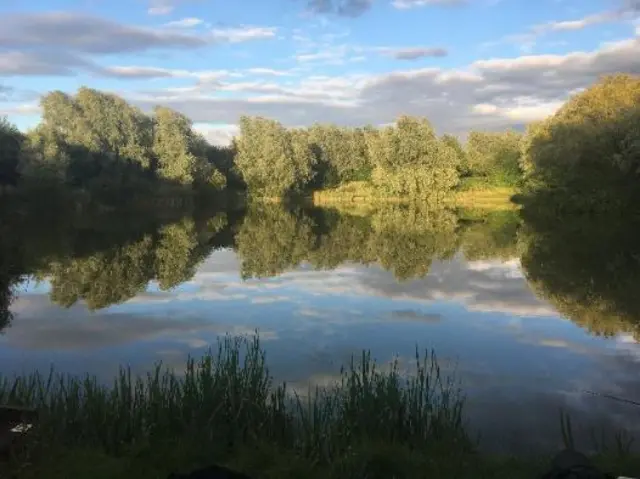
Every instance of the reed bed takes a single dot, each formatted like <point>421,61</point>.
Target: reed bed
<point>225,408</point>
<point>228,400</point>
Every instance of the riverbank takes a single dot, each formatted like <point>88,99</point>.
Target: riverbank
<point>376,422</point>
<point>361,192</point>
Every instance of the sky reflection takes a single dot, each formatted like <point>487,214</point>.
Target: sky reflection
<point>518,360</point>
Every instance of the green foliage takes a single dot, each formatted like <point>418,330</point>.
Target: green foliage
<point>226,404</point>
<point>271,240</point>
<point>411,161</point>
<point>494,156</point>
<point>453,142</point>
<point>10,146</point>
<point>587,267</point>
<point>173,147</point>
<point>266,158</point>
<point>401,239</point>
<point>587,155</point>
<point>492,235</point>
<point>341,153</point>
<point>96,141</point>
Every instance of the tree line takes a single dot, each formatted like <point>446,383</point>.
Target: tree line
<point>98,142</point>
<point>406,159</point>
<point>586,155</point>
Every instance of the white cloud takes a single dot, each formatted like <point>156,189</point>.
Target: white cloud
<point>268,71</point>
<point>185,23</point>
<point>346,8</point>
<point>529,39</point>
<point>490,94</point>
<point>217,134</point>
<point>142,72</point>
<point>407,4</point>
<point>414,53</point>
<point>163,7</point>
<point>162,10</point>
<point>243,34</point>
<point>20,109</point>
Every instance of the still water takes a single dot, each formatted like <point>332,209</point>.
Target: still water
<point>527,314</point>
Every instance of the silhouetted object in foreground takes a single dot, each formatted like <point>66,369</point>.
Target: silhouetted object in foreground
<point>210,472</point>
<point>571,464</point>
<point>15,423</point>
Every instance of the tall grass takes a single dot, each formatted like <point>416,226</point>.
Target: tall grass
<point>228,399</point>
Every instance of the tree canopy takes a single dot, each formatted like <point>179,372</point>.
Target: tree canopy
<point>589,151</point>
<point>96,141</point>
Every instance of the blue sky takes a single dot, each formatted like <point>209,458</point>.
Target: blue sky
<point>482,64</point>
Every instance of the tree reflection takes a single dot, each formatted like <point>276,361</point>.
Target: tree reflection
<point>104,278</point>
<point>273,239</point>
<point>491,235</point>
<point>586,267</point>
<point>101,260</point>
<point>403,239</point>
<point>170,256</point>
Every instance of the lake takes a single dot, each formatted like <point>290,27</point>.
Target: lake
<point>527,313</point>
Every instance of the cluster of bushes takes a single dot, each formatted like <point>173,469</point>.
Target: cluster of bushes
<point>406,159</point>
<point>98,142</point>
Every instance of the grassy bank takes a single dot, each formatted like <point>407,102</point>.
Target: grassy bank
<point>493,198</point>
<point>225,409</point>
<point>469,195</point>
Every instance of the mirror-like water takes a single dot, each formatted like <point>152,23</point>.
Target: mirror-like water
<point>528,314</point>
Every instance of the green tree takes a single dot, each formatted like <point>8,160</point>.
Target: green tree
<point>267,160</point>
<point>10,147</point>
<point>104,278</point>
<point>173,253</point>
<point>172,139</point>
<point>454,143</point>
<point>494,156</point>
<point>341,153</point>
<point>410,160</point>
<point>587,155</point>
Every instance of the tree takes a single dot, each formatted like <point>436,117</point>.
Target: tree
<point>494,156</point>
<point>172,141</point>
<point>341,153</point>
<point>10,147</point>
<point>587,155</point>
<point>267,159</point>
<point>411,160</point>
<point>453,143</point>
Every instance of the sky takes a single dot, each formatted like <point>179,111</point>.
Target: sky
<point>464,64</point>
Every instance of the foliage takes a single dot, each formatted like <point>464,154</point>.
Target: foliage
<point>118,273</point>
<point>266,157</point>
<point>10,146</point>
<point>453,142</point>
<point>490,235</point>
<point>587,155</point>
<point>409,160</point>
<point>272,239</point>
<point>227,401</point>
<point>341,153</point>
<point>588,268</point>
<point>494,156</point>
<point>98,142</point>
<point>402,239</point>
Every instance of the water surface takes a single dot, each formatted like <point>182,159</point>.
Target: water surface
<point>527,316</point>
